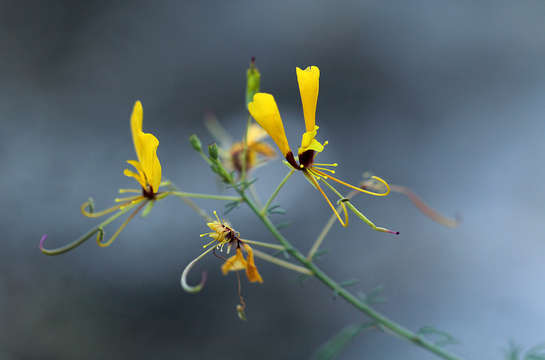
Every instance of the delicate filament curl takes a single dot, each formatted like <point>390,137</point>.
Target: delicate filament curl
<point>183,279</point>
<point>355,187</point>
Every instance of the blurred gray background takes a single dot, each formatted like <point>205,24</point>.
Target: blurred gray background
<point>446,97</point>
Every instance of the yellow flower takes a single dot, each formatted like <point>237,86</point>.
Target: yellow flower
<point>264,110</point>
<point>148,175</point>
<point>223,234</point>
<point>255,147</point>
<point>148,168</point>
<point>232,153</point>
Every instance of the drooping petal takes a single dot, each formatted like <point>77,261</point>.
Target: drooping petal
<point>136,127</point>
<point>309,81</point>
<point>139,169</point>
<point>149,161</point>
<point>234,263</point>
<point>251,270</point>
<point>265,111</point>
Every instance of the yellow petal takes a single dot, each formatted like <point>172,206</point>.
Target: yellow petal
<point>308,142</point>
<point>309,81</point>
<point>138,178</point>
<point>234,263</point>
<point>265,111</point>
<point>149,160</point>
<point>263,148</point>
<point>251,269</point>
<point>136,126</point>
<point>255,133</point>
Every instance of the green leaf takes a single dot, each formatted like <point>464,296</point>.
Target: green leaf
<point>536,353</point>
<point>513,352</point>
<point>276,209</point>
<point>443,338</point>
<point>373,297</point>
<point>283,225</point>
<point>334,346</point>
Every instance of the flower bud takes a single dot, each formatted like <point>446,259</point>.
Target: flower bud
<point>253,80</point>
<point>213,151</point>
<point>195,143</point>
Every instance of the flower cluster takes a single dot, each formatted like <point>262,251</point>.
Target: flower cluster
<point>232,161</point>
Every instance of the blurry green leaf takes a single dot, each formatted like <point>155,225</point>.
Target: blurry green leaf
<point>536,353</point>
<point>373,297</point>
<point>513,352</point>
<point>283,225</point>
<point>276,210</point>
<point>333,347</point>
<point>230,206</point>
<point>443,338</point>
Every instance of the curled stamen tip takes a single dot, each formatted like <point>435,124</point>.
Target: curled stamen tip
<point>192,289</point>
<point>42,240</point>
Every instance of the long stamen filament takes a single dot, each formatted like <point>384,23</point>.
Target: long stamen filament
<point>129,198</point>
<point>93,214</point>
<point>321,164</point>
<point>324,169</point>
<point>120,229</point>
<point>205,246</point>
<point>325,230</point>
<point>123,191</point>
<point>183,278</point>
<point>84,237</point>
<point>355,187</point>
<point>313,180</point>
<point>369,222</point>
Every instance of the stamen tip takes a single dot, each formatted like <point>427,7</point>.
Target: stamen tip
<point>42,240</point>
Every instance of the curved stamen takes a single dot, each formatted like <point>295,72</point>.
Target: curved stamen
<point>120,229</point>
<point>324,169</point>
<point>93,214</point>
<point>127,199</point>
<point>317,186</point>
<point>369,222</point>
<point>183,279</point>
<point>355,187</point>
<point>84,237</point>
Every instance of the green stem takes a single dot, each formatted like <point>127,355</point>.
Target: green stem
<point>275,193</point>
<point>338,289</point>
<point>205,196</point>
